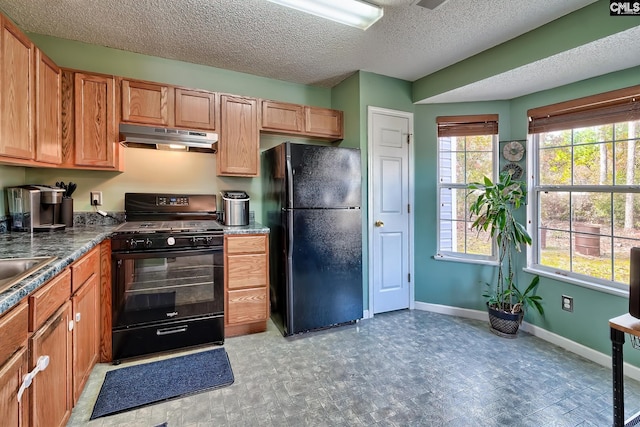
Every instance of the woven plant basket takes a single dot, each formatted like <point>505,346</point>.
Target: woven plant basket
<point>504,324</point>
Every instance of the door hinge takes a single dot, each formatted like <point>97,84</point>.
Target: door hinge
<point>409,277</point>
<point>408,138</point>
<point>409,208</point>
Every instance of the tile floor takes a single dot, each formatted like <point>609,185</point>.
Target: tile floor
<point>406,368</point>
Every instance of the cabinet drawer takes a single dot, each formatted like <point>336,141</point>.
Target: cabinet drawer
<point>247,305</point>
<point>247,271</point>
<point>46,300</point>
<point>14,327</point>
<point>82,269</point>
<point>246,244</point>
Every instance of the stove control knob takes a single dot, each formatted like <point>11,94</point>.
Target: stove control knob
<point>171,241</point>
<point>148,243</point>
<point>133,243</point>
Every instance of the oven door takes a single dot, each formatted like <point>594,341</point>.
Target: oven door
<point>156,287</point>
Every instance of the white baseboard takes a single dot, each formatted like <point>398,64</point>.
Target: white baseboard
<point>366,314</point>
<point>630,371</point>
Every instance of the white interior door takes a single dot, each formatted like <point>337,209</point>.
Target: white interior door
<point>390,153</point>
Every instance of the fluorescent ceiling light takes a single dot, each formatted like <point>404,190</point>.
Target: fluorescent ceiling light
<point>355,13</point>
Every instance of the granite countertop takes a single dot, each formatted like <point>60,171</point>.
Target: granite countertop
<point>67,246</point>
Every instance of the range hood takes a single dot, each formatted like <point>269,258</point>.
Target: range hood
<point>167,139</point>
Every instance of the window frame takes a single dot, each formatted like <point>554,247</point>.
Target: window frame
<point>467,126</point>
<point>602,109</point>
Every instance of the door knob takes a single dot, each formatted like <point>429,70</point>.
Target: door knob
<point>379,223</point>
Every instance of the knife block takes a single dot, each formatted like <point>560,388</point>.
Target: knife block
<point>66,211</point>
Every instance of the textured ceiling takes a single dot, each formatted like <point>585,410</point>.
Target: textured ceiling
<point>265,39</point>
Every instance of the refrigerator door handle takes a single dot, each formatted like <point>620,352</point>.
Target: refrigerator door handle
<point>288,177</point>
<point>289,271</point>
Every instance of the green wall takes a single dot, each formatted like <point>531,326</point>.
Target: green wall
<point>353,96</point>
<point>435,283</point>
<point>98,59</point>
<point>148,170</point>
<point>575,29</point>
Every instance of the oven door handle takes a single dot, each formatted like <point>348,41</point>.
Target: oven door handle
<point>172,330</point>
<point>165,253</point>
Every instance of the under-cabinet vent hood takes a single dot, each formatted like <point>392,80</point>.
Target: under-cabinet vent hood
<point>168,139</point>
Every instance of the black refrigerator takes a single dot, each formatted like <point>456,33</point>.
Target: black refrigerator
<point>311,203</point>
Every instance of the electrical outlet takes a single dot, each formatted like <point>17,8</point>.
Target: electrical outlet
<point>567,303</point>
<point>96,198</point>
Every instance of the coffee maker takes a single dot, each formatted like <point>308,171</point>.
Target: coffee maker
<point>35,208</point>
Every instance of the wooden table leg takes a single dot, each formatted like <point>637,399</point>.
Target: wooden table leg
<point>617,340</point>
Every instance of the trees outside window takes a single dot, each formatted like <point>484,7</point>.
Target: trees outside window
<point>467,152</point>
<point>584,196</point>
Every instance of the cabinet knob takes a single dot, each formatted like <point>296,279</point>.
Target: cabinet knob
<point>78,316</point>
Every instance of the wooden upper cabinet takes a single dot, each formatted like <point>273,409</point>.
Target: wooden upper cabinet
<point>146,103</point>
<point>95,121</point>
<point>239,143</point>
<point>302,120</point>
<point>156,104</point>
<point>324,122</point>
<point>195,109</point>
<point>280,116</point>
<point>48,110</point>
<point>16,92</point>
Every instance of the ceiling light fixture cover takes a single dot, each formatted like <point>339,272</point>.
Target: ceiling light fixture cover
<point>355,13</point>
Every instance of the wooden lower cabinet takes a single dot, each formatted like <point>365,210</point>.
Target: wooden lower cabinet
<point>14,364</point>
<point>12,412</point>
<point>246,284</point>
<point>86,332</point>
<point>51,388</point>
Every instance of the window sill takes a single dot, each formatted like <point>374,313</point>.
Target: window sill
<point>451,258</point>
<point>579,282</point>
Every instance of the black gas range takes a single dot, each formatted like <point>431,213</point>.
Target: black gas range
<point>168,274</point>
<point>168,221</point>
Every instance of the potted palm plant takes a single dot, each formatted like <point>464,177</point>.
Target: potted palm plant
<point>494,210</point>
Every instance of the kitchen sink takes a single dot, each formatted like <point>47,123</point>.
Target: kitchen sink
<point>13,270</point>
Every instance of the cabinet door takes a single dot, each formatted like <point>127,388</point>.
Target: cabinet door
<point>279,116</point>
<point>145,103</point>
<point>239,145</point>
<point>51,388</point>
<point>195,109</point>
<point>95,121</point>
<point>16,93</point>
<point>323,122</point>
<point>246,284</point>
<point>14,361</point>
<point>48,110</point>
<point>86,332</point>
<point>12,412</point>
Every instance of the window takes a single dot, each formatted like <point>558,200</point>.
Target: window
<point>584,194</point>
<point>466,153</point>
